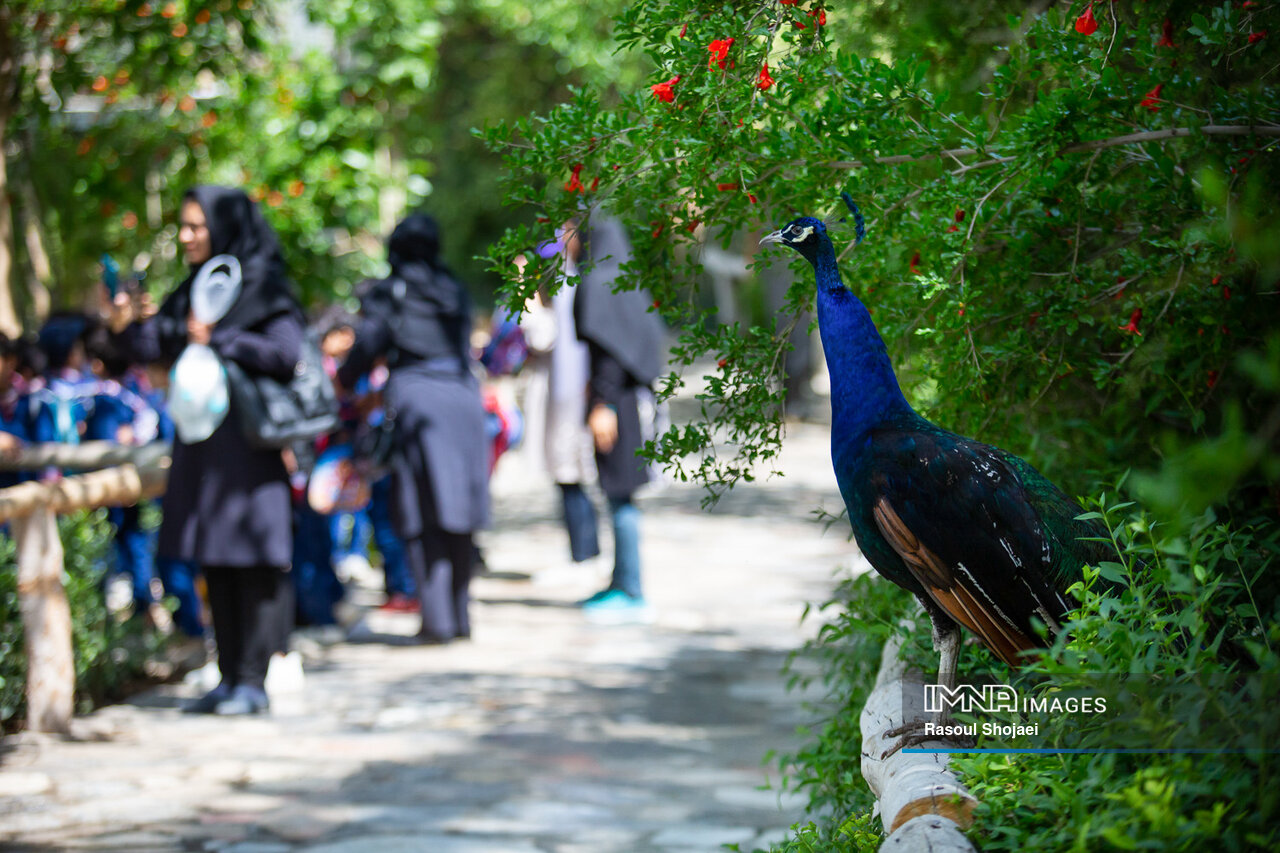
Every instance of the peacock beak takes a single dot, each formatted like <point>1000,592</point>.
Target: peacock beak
<point>775,237</point>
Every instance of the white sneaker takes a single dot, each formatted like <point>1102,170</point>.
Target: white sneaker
<point>284,674</point>
<point>355,568</point>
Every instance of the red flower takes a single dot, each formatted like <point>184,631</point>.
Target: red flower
<point>953,228</point>
<point>1217,279</point>
<point>683,30</point>
<point>1213,378</point>
<point>724,188</point>
<point>1254,38</point>
<point>1166,35</point>
<point>693,225</point>
<point>1152,99</point>
<point>751,198</point>
<point>722,363</point>
<point>1226,292</point>
<point>1086,24</point>
<point>914,266</point>
<point>574,184</point>
<point>959,217</point>
<point>665,92</point>
<point>798,25</point>
<point>788,2</point>
<point>658,229</point>
<point>595,184</point>
<point>1132,327</point>
<point>820,14</point>
<point>719,52</point>
<point>764,81</point>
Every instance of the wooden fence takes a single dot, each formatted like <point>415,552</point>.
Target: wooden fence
<point>128,475</point>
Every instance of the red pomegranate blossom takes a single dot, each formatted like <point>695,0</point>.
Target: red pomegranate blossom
<point>1086,24</point>
<point>1166,35</point>
<point>1132,326</point>
<point>719,53</point>
<point>574,184</point>
<point>914,266</point>
<point>665,92</point>
<point>1254,38</point>
<point>1152,99</point>
<point>764,81</point>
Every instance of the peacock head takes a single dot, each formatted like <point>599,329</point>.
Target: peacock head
<point>806,235</point>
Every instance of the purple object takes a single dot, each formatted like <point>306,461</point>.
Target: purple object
<point>548,249</point>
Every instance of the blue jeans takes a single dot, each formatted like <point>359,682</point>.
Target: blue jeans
<point>580,520</point>
<point>349,532</point>
<point>317,587</point>
<point>179,579</point>
<point>133,554</point>
<point>626,546</point>
<point>399,578</point>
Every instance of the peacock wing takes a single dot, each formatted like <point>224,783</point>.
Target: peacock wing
<point>960,518</point>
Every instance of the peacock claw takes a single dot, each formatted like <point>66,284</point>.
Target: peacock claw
<point>914,734</point>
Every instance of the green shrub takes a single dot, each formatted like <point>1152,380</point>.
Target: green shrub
<point>110,654</point>
<point>1196,635</point>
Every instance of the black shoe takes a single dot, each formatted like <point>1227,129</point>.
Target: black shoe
<point>208,703</point>
<point>244,701</point>
<point>424,639</point>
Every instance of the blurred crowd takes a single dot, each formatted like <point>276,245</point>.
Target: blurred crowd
<point>255,541</point>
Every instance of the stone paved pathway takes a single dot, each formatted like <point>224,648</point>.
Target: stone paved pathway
<point>545,734</point>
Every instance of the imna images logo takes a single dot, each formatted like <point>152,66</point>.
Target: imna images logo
<point>967,699</point>
<point>997,698</point>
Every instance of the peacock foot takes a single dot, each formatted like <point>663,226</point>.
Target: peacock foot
<point>924,730</point>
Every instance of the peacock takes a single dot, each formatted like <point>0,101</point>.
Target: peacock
<point>977,534</point>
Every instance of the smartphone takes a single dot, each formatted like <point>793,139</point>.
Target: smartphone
<point>110,275</point>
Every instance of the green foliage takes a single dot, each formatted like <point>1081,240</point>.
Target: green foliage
<point>110,654</point>
<point>1008,172</point>
<point>1190,598</point>
<point>1192,648</point>
<point>336,116</point>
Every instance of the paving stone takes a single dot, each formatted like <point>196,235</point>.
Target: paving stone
<point>423,844</point>
<point>257,847</point>
<point>18,783</point>
<point>701,836</point>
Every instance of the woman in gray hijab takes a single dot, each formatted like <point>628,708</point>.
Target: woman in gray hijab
<point>624,339</point>
<point>419,318</point>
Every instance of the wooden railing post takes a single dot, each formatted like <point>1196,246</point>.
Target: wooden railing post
<point>46,620</point>
<point>31,509</point>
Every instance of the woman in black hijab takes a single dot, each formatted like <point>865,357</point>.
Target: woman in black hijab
<point>624,340</point>
<point>419,318</point>
<point>227,507</point>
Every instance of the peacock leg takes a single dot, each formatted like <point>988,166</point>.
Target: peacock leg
<point>946,642</point>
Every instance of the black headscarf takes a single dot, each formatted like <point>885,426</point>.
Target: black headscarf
<point>619,323</point>
<point>414,254</point>
<point>426,308</point>
<point>237,227</point>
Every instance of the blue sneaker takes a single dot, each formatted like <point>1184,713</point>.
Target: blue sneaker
<point>614,605</point>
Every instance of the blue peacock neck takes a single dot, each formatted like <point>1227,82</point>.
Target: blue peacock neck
<point>864,387</point>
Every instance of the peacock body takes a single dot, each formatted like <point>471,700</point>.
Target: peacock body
<point>977,534</point>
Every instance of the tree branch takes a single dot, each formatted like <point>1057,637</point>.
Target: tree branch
<point>1079,147</point>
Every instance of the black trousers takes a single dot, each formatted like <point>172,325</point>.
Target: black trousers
<point>441,564</point>
<point>252,611</point>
